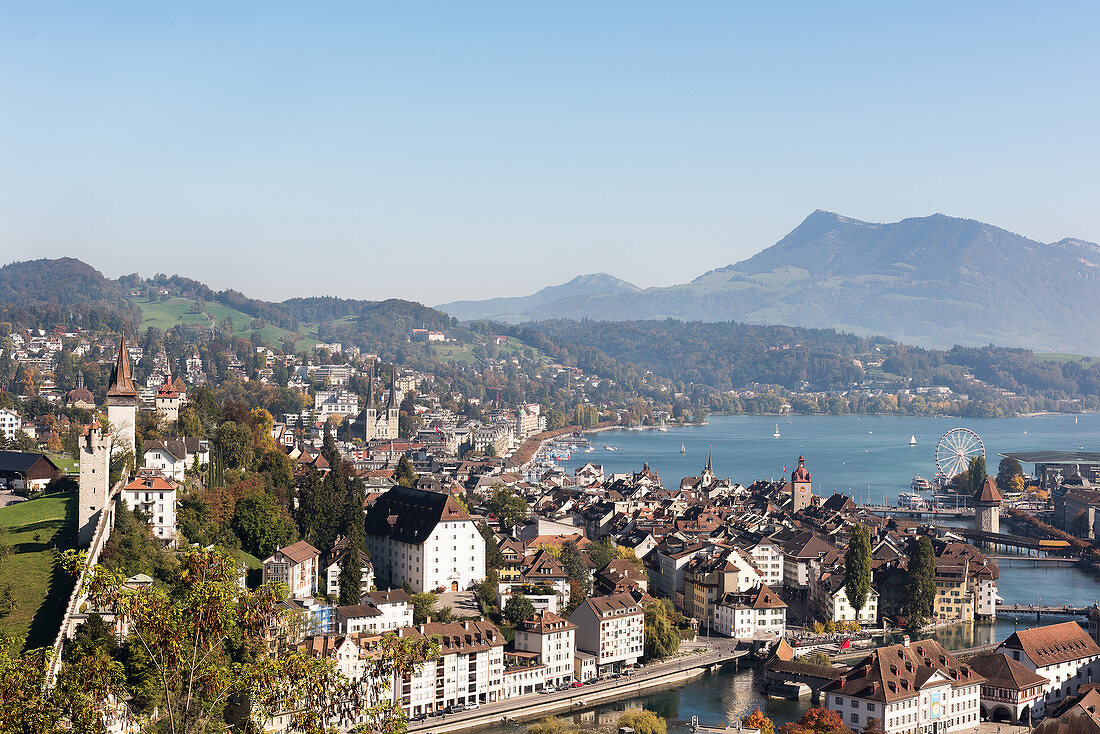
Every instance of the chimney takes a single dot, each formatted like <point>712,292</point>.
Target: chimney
<point>421,629</point>
<point>905,640</point>
<point>427,621</point>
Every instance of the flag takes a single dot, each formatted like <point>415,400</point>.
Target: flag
<point>784,470</point>
<point>846,644</point>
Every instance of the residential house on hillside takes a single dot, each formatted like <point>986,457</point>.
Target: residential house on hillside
<point>174,456</point>
<point>154,495</point>
<point>296,566</point>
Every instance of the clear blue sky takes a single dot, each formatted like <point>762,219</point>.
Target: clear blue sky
<point>465,150</point>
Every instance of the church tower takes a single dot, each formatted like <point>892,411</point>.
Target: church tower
<point>801,491</point>
<point>393,409</point>
<point>122,400</point>
<point>367,420</point>
<point>987,507</point>
<point>95,479</point>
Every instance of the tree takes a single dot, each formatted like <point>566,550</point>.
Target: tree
<point>494,559</point>
<point>661,637</point>
<point>976,474</point>
<point>757,720</point>
<point>572,560</point>
<point>600,553</point>
<point>550,725</point>
<point>206,642</point>
<point>643,722</point>
<point>873,726</point>
<point>509,508</point>
<point>920,582</point>
<point>351,577</point>
<point>1007,471</point>
<point>817,657</point>
<point>262,526</point>
<point>518,608</point>
<point>816,721</point>
<point>422,604</point>
<point>857,567</point>
<point>404,474</point>
<point>236,444</point>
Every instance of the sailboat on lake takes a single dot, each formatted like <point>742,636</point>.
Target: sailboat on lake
<point>776,434</point>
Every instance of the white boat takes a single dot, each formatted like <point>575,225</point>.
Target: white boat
<point>589,450</point>
<point>869,432</point>
<point>776,434</point>
<point>608,448</point>
<point>911,501</point>
<point>913,440</point>
<point>920,484</point>
<point>662,427</point>
<point>683,449</point>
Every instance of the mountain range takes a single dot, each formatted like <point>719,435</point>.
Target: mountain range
<point>936,281</point>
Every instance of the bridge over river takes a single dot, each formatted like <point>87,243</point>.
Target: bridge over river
<point>1060,610</point>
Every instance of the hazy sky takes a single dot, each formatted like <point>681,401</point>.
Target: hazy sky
<point>466,150</point>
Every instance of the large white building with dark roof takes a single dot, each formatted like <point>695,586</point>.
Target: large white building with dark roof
<point>425,539</point>
<point>1062,653</point>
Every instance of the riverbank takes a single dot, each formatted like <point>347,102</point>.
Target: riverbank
<point>653,677</point>
<point>527,450</point>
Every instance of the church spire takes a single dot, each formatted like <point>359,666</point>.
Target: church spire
<point>370,386</point>
<point>122,377</point>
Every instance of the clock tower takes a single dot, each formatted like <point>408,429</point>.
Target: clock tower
<point>800,486</point>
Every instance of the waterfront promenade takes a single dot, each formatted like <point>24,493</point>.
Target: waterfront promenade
<point>535,706</point>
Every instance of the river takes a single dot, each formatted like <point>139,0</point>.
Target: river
<point>863,456</point>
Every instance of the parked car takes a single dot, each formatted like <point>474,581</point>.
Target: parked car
<point>577,684</point>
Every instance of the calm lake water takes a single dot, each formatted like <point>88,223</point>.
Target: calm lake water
<point>863,456</point>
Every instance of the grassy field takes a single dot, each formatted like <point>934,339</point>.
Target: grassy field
<point>165,314</point>
<point>453,353</point>
<point>40,591</point>
<point>1062,357</point>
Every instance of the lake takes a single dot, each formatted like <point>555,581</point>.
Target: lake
<point>866,457</point>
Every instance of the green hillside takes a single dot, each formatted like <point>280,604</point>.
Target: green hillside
<point>41,592</point>
<point>165,314</point>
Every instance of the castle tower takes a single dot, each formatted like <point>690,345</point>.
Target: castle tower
<point>122,401</point>
<point>95,480</point>
<point>801,491</point>
<point>987,508</point>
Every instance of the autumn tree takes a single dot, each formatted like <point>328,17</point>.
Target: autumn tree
<point>816,721</point>
<point>757,720</point>
<point>1007,472</point>
<point>518,608</point>
<point>509,508</point>
<point>661,636</point>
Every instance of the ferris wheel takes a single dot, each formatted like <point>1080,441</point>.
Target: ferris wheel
<point>955,450</point>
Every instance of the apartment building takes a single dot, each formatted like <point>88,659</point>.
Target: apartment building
<point>756,614</point>
<point>1062,653</point>
<point>469,670</point>
<point>612,628</point>
<point>553,639</point>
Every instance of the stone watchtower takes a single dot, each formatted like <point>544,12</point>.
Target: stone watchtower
<point>122,400</point>
<point>987,508</point>
<point>95,481</point>
<point>801,490</point>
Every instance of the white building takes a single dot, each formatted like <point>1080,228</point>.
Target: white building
<point>1062,653</point>
<point>9,424</point>
<point>154,495</point>
<point>174,456</point>
<point>916,688</point>
<point>469,670</point>
<point>335,402</point>
<point>836,605</point>
<point>553,639</point>
<point>768,557</point>
<point>379,611</point>
<point>612,628</point>
<point>296,566</point>
<point>425,539</point>
<point>757,614</point>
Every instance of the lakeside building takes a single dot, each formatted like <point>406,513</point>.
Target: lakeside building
<point>612,628</point>
<point>1010,690</point>
<point>1062,653</point>
<point>910,688</point>
<point>553,640</point>
<point>756,614</point>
